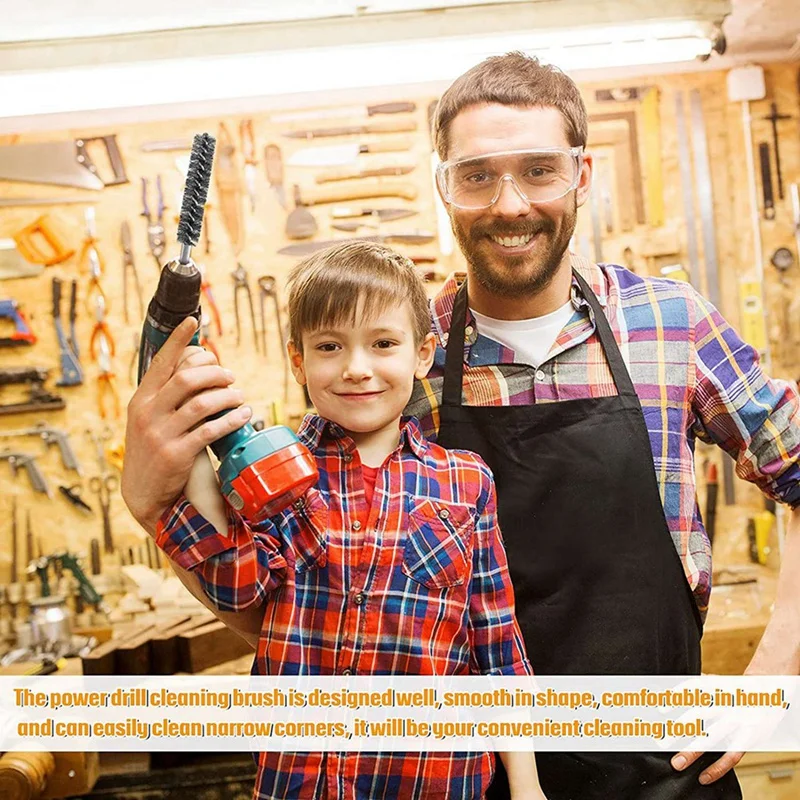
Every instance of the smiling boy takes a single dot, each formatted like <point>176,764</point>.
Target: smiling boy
<point>393,564</point>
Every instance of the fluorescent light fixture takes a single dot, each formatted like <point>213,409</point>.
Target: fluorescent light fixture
<point>320,70</point>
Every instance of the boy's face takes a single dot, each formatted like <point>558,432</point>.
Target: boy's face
<point>361,376</point>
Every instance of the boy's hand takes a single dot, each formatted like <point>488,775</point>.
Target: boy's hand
<point>167,426</point>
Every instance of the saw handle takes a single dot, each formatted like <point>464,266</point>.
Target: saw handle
<point>29,241</point>
<point>357,190</point>
<point>114,158</point>
<point>346,173</point>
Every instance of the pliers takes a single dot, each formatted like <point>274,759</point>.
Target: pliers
<point>155,227</point>
<point>241,282</point>
<point>129,266</point>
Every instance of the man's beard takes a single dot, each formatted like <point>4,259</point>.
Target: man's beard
<point>514,281</point>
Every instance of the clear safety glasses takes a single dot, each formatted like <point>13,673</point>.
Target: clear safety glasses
<point>539,176</point>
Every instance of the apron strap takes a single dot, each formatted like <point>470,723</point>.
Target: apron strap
<point>454,353</point>
<point>619,372</point>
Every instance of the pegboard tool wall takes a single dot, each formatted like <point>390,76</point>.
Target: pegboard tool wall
<point>650,247</point>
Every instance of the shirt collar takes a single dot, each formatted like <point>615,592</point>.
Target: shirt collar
<point>317,433</point>
<point>442,303</point>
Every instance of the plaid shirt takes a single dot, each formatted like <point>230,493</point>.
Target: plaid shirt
<point>696,379</point>
<point>421,589</point>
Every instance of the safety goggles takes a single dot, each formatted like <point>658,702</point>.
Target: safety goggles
<point>540,175</point>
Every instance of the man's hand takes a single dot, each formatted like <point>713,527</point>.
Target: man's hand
<point>167,423</point>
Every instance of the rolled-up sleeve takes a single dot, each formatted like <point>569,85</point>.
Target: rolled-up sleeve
<point>237,569</point>
<point>753,417</point>
<point>495,637</point>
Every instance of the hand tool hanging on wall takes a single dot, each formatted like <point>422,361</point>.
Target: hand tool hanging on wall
<point>774,117</point>
<point>40,244</point>
<point>703,179</point>
<point>23,335</point>
<point>229,190</point>
<point>129,268</point>
<point>24,202</point>
<point>301,223</point>
<point>71,372</point>
<point>39,399</point>
<point>687,192</point>
<point>250,161</point>
<point>261,472</point>
<point>102,350</point>
<point>766,181</point>
<point>350,173</point>
<point>241,285</point>
<point>273,162</point>
<point>399,107</point>
<point>50,436</point>
<point>61,163</point>
<point>267,286</point>
<point>341,154</point>
<point>74,498</point>
<point>357,190</point>
<point>18,460</point>
<point>91,260</point>
<point>13,265</point>
<point>73,310</point>
<point>702,173</point>
<point>104,486</point>
<point>380,214</point>
<point>416,237</point>
<point>380,126</point>
<point>155,222</point>
<point>166,145</point>
<point>783,260</point>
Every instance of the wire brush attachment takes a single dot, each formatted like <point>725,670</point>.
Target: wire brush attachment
<point>198,178</point>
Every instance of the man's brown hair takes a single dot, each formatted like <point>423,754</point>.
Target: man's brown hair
<point>513,79</point>
<point>325,289</point>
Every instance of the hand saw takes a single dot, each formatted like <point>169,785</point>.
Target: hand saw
<point>61,163</point>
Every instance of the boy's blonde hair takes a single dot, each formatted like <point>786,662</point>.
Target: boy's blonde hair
<point>325,288</point>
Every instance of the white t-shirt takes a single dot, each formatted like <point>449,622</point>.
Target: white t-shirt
<point>530,339</point>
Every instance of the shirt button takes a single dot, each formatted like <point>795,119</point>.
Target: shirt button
<point>358,599</point>
<point>444,513</point>
<point>348,457</point>
<point>356,526</point>
<point>347,671</point>
<point>540,376</point>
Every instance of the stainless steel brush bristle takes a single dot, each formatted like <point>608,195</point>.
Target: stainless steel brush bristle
<point>195,192</point>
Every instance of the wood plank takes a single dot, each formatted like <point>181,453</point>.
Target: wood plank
<point>210,645</point>
<point>164,652</point>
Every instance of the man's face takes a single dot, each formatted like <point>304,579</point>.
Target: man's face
<point>514,248</point>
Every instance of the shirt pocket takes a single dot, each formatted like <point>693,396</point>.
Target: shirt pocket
<point>310,539</point>
<point>438,548</point>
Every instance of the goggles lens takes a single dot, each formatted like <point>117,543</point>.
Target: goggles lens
<point>539,175</point>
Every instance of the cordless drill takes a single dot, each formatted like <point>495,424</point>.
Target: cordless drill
<point>260,472</point>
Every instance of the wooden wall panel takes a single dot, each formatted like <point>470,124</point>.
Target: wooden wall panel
<point>59,525</point>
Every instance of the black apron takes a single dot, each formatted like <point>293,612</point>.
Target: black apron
<point>599,586</point>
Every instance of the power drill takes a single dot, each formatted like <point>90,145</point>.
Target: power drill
<point>261,472</point>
